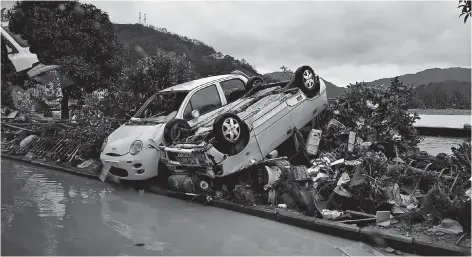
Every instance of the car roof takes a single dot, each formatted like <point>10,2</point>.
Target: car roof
<point>190,85</point>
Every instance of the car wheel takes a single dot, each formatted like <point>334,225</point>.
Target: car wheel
<point>229,131</point>
<point>175,129</point>
<point>253,81</point>
<point>307,81</point>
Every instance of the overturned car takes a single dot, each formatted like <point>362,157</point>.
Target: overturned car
<point>244,135</point>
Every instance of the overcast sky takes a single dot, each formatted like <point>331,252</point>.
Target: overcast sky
<point>344,42</point>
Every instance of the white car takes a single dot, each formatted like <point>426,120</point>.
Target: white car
<point>247,132</point>
<point>132,152</point>
<point>18,50</point>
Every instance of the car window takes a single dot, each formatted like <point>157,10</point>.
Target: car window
<point>233,89</point>
<point>204,100</point>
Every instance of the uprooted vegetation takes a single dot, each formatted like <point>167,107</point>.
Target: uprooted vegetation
<point>368,161</point>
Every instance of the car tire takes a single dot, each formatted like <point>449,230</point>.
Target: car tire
<point>238,131</point>
<point>307,81</point>
<point>253,81</point>
<point>173,130</point>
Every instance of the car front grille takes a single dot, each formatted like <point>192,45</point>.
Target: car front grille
<point>172,156</point>
<point>113,154</point>
<point>118,172</point>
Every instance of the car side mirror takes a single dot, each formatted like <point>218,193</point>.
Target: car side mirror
<point>195,114</point>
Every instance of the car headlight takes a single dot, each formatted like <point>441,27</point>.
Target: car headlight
<point>136,147</point>
<point>104,144</point>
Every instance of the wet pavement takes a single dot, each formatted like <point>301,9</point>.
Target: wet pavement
<point>46,212</point>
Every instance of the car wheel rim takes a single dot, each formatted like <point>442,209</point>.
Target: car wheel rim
<point>308,79</point>
<point>231,129</point>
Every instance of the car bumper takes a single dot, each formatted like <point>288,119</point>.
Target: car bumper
<point>142,166</point>
<point>196,159</point>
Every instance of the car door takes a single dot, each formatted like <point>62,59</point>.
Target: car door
<point>206,100</point>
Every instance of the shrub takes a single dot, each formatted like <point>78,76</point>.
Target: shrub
<point>381,111</point>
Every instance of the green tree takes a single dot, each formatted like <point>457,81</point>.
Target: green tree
<point>153,73</point>
<point>78,36</point>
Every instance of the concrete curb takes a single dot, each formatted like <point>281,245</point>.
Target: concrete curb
<point>396,241</point>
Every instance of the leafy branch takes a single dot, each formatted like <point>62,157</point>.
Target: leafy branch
<point>466,6</point>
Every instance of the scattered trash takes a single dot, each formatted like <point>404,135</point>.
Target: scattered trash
<point>384,223</point>
<point>448,226</point>
<point>330,214</point>
<point>398,252</point>
<point>389,250</point>
<point>85,164</point>
<point>27,140</point>
<point>282,205</point>
<point>313,142</point>
<point>382,216</point>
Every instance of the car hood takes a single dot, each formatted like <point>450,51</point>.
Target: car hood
<point>121,139</point>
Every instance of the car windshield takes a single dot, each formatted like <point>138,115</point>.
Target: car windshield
<point>162,106</point>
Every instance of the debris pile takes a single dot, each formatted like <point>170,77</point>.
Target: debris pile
<point>362,163</point>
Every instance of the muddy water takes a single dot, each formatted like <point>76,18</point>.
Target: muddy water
<point>47,212</point>
<point>436,145</point>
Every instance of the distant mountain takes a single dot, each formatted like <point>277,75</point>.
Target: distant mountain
<point>434,75</point>
<point>332,90</point>
<point>440,95</point>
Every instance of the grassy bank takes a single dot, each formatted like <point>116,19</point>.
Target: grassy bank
<point>441,111</point>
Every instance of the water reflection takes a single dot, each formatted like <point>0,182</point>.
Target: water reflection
<point>134,220</point>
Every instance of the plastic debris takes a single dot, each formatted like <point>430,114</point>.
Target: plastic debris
<point>282,205</point>
<point>448,226</point>
<point>27,140</point>
<point>389,250</point>
<point>382,216</point>
<point>331,214</point>
<point>320,175</point>
<point>313,142</point>
<point>85,164</point>
<point>398,252</point>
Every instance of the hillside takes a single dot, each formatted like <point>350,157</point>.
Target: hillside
<point>440,95</point>
<point>332,90</point>
<point>435,75</point>
<point>142,41</point>
<point>434,88</point>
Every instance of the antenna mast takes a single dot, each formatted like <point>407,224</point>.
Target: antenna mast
<point>145,24</point>
<point>139,21</point>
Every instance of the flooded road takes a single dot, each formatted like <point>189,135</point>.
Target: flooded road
<point>46,212</point>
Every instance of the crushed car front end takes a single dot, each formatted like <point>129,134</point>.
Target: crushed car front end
<point>192,157</point>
